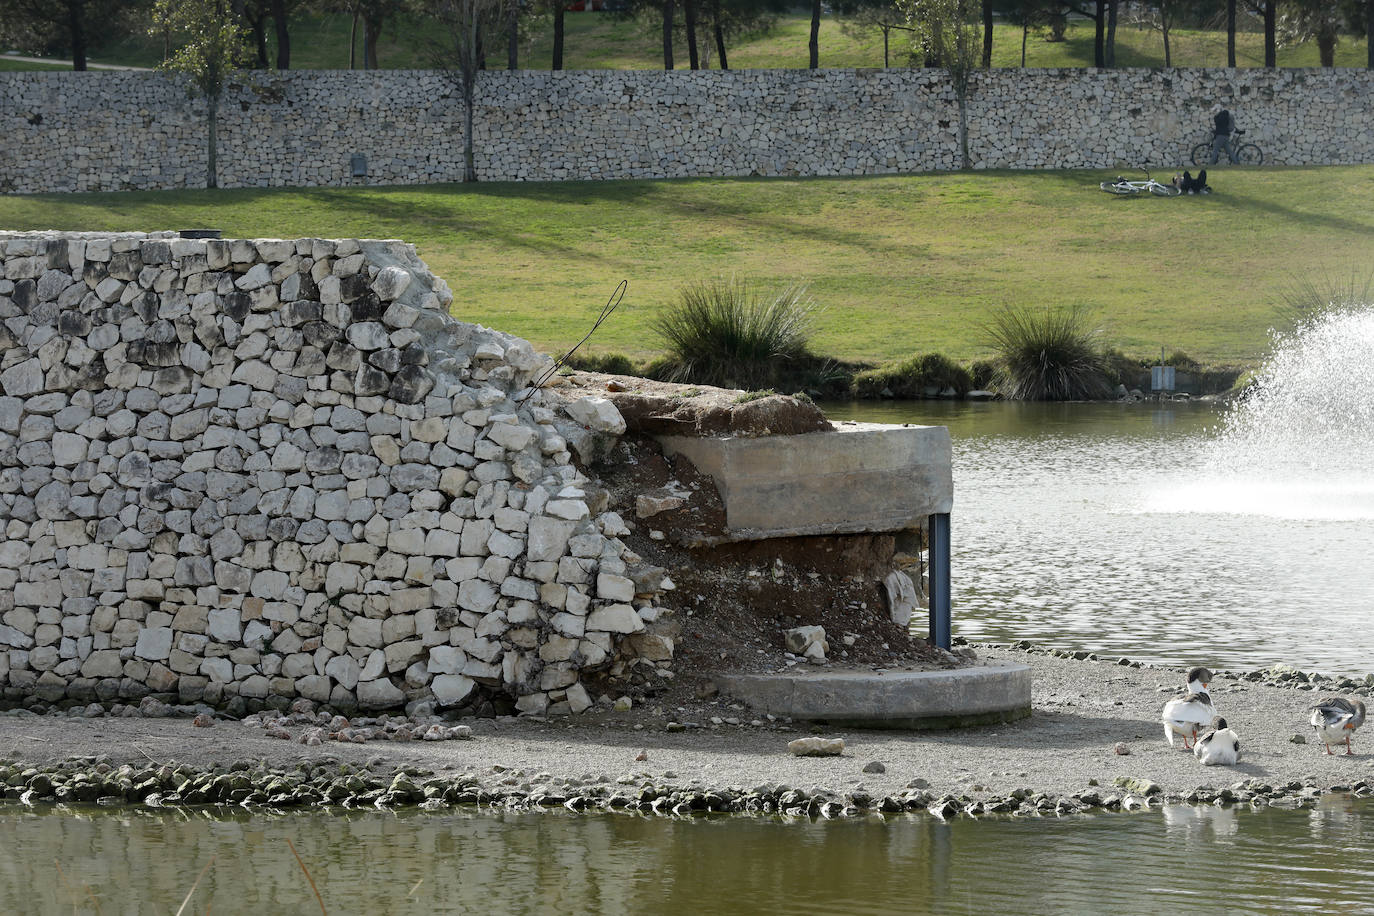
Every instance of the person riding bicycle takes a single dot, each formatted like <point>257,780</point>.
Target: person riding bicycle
<point>1224,126</point>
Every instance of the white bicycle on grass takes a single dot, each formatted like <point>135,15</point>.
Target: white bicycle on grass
<point>1126,187</point>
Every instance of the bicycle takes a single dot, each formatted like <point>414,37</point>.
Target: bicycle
<point>1126,187</point>
<point>1246,153</point>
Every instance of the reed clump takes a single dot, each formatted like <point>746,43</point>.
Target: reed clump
<point>729,333</point>
<point>1052,354</point>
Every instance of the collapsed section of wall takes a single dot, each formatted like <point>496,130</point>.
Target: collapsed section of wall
<point>278,468</point>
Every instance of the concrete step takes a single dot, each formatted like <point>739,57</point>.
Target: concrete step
<point>979,695</point>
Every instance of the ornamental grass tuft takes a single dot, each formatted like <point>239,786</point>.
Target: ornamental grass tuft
<point>729,334</point>
<point>1048,354</point>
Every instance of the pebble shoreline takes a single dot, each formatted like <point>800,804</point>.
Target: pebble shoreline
<point>408,772</point>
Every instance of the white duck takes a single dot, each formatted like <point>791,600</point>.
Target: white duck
<point>1220,746</point>
<point>1187,715</point>
<point>1335,719</point>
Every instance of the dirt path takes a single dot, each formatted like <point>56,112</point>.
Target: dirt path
<point>1082,709</point>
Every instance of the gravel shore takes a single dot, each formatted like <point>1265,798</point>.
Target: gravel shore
<point>1067,750</point>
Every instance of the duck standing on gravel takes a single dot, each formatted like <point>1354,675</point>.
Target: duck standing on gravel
<point>1219,747</point>
<point>1335,719</point>
<point>1187,715</point>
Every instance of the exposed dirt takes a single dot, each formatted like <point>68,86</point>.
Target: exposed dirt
<point>732,603</point>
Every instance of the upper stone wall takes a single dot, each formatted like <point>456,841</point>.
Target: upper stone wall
<point>279,468</point>
<point>131,130</point>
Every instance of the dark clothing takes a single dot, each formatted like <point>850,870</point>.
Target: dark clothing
<point>1190,185</point>
<point>1224,122</point>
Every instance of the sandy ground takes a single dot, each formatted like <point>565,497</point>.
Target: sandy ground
<point>1081,710</point>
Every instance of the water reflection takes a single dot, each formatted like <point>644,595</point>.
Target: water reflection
<point>1089,526</point>
<point>1204,859</point>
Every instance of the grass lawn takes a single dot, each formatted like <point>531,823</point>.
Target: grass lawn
<point>901,265</point>
<point>610,41</point>
<point>8,65</point>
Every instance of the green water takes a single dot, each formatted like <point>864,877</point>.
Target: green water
<point>1185,859</point>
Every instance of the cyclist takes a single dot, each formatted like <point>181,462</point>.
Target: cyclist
<point>1224,126</point>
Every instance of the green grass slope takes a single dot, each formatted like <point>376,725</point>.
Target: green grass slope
<point>901,265</point>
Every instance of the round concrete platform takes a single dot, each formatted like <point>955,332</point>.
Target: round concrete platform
<point>980,695</point>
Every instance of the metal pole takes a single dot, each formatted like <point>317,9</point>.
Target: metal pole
<point>939,580</point>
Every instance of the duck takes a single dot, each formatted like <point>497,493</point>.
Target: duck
<point>1335,719</point>
<point>1188,714</point>
<point>1220,746</point>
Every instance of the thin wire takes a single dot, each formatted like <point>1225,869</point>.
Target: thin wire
<point>549,373</point>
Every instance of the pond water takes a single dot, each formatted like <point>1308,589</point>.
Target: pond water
<point>1187,859</point>
<point>1147,530</point>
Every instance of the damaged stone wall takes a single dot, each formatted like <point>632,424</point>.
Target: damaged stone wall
<point>277,468</point>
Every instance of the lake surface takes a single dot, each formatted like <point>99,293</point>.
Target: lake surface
<point>1128,529</point>
<point>1182,859</point>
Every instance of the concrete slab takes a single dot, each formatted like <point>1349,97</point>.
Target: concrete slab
<point>979,695</point>
<point>858,477</point>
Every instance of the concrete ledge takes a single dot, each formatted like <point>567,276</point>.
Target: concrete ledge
<point>898,699</point>
<point>858,477</point>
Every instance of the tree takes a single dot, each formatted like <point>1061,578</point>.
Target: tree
<point>464,26</point>
<point>1162,18</point>
<point>1028,14</point>
<point>1268,10</point>
<point>860,17</point>
<point>813,45</point>
<point>728,18</point>
<point>216,48</point>
<point>41,26</point>
<point>944,31</point>
<point>1312,20</point>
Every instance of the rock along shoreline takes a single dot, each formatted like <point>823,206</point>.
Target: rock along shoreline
<point>711,758</point>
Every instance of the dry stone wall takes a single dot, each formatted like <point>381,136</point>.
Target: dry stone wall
<point>129,130</point>
<point>279,468</point>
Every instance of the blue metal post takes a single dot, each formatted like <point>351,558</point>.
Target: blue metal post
<point>939,580</point>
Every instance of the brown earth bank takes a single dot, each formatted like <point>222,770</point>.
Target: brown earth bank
<point>1085,713</point>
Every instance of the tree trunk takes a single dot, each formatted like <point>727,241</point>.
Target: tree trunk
<point>1230,33</point>
<point>258,27</point>
<point>1167,60</point>
<point>1025,28</point>
<point>283,34</point>
<point>513,38</point>
<point>1100,34</point>
<point>689,20</point>
<point>469,168</point>
<point>964,161</point>
<point>1270,41</point>
<point>372,30</point>
<point>667,34</point>
<point>1326,45</point>
<point>76,14</point>
<point>815,43</point>
<point>212,137</point>
<point>725,65</point>
<point>1112,6</point>
<point>987,34</point>
<point>1369,33</point>
<point>353,42</point>
<point>558,13</point>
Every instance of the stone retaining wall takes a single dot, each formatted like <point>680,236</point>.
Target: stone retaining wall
<point>114,130</point>
<point>279,468</point>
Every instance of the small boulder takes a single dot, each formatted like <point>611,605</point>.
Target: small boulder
<point>816,747</point>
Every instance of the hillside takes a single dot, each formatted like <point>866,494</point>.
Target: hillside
<point>900,265</point>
